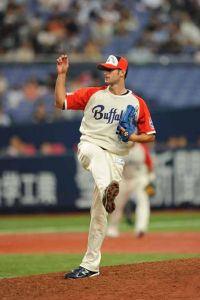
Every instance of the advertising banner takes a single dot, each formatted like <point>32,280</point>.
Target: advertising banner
<point>59,183</point>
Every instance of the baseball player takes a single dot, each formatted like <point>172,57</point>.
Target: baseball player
<point>102,148</point>
<point>138,181</point>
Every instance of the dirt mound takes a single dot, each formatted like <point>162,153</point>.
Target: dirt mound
<point>176,279</point>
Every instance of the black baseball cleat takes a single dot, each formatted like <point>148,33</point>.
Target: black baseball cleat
<point>109,196</point>
<point>80,272</point>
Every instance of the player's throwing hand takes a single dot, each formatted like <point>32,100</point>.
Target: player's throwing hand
<point>62,64</point>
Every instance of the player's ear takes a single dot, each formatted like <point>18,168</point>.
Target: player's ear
<point>123,73</point>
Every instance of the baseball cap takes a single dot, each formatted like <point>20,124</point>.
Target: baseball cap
<point>114,62</point>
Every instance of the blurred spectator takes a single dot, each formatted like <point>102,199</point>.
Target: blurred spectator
<point>4,118</point>
<point>153,4</point>
<point>189,30</point>
<point>177,142</point>
<point>110,11</point>
<point>12,100</point>
<point>140,53</point>
<point>40,114</point>
<point>46,40</point>
<point>20,103</point>
<point>92,50</point>
<point>86,79</point>
<point>144,31</point>
<point>17,147</point>
<point>197,56</point>
<point>102,31</point>
<point>3,84</point>
<point>52,149</point>
<point>172,142</point>
<point>24,53</point>
<point>182,141</point>
<point>128,19</point>
<point>29,28</point>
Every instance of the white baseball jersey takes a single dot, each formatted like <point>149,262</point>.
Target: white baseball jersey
<point>102,112</point>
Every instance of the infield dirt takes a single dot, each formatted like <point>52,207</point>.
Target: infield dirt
<point>169,280</point>
<point>168,242</point>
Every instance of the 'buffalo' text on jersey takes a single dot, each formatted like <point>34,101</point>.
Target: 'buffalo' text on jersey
<point>102,112</point>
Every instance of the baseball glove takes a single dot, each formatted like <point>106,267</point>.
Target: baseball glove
<point>126,124</point>
<point>150,189</point>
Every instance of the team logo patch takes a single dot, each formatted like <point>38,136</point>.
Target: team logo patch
<point>112,60</point>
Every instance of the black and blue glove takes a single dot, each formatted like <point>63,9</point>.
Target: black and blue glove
<point>127,124</point>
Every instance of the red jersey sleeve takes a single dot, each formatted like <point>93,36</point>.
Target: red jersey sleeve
<point>148,159</point>
<point>144,123</point>
<point>77,100</point>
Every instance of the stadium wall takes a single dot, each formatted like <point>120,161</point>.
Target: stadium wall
<point>58,183</point>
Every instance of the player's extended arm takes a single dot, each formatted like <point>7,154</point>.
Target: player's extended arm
<point>60,88</point>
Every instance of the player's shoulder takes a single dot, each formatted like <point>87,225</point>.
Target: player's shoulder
<point>93,89</point>
<point>86,92</point>
<point>140,99</point>
<point>89,91</point>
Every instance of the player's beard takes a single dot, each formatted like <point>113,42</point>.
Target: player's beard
<point>111,82</point>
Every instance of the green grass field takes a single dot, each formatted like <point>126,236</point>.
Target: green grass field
<point>14,265</point>
<point>168,221</point>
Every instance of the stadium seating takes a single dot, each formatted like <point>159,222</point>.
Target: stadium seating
<point>173,86</point>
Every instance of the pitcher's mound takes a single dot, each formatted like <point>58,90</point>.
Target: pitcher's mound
<point>176,279</point>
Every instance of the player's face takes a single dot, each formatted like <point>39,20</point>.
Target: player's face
<point>112,76</point>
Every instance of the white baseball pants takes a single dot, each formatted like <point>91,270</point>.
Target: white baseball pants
<point>129,187</point>
<point>105,167</point>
